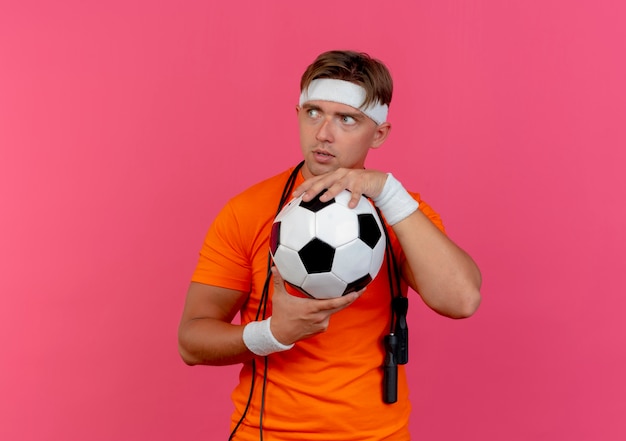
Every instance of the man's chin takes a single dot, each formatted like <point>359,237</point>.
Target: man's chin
<point>315,168</point>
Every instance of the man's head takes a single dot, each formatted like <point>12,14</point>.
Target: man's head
<point>354,67</point>
<point>342,111</point>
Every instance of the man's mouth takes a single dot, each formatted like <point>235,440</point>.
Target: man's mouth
<point>322,153</point>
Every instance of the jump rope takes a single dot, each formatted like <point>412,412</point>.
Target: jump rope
<point>396,343</point>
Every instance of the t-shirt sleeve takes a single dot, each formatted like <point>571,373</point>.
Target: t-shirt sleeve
<point>429,212</point>
<point>223,260</point>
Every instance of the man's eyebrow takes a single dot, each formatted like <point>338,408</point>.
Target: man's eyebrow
<point>310,106</point>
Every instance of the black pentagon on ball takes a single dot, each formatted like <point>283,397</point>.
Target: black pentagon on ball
<point>275,237</point>
<point>317,256</point>
<point>369,232</point>
<point>315,204</point>
<point>358,284</point>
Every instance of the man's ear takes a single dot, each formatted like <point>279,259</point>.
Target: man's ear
<point>382,131</point>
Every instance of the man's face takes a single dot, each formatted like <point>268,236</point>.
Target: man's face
<point>334,135</point>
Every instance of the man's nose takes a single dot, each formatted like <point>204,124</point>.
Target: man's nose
<point>325,133</point>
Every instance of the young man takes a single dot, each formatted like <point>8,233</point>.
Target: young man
<point>305,376</point>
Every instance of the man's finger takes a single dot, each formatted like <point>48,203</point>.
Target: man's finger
<point>339,302</point>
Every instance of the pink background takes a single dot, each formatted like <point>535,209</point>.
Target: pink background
<point>120,127</point>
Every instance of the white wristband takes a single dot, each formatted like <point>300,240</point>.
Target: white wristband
<point>258,337</point>
<point>394,202</point>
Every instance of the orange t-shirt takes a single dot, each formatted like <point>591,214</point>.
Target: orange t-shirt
<point>327,387</point>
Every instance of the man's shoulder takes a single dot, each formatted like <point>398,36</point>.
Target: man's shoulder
<point>277,181</point>
<point>263,193</point>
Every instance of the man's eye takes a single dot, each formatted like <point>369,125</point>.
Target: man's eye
<point>348,120</point>
<point>314,113</point>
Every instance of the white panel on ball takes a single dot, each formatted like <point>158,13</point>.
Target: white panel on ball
<point>339,225</point>
<point>352,261</point>
<point>290,266</point>
<point>297,228</point>
<point>378,255</point>
<point>324,285</point>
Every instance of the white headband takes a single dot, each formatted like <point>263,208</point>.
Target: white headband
<point>344,92</point>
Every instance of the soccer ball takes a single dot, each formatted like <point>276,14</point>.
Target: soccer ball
<point>326,249</point>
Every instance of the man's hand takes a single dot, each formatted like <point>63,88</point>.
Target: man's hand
<point>296,318</point>
<point>358,181</point>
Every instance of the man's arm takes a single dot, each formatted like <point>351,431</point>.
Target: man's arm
<point>443,274</point>
<point>205,333</point>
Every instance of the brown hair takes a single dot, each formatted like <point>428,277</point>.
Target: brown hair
<point>356,67</point>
